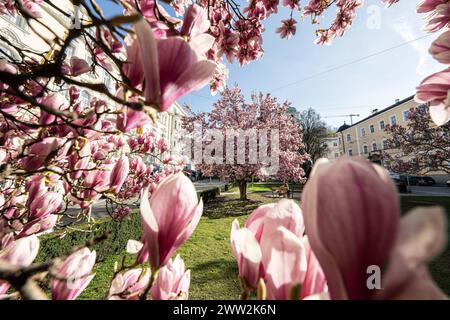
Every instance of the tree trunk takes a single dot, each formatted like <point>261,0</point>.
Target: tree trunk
<point>242,190</point>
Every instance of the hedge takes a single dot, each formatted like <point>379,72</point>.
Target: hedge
<point>209,194</point>
<point>61,242</point>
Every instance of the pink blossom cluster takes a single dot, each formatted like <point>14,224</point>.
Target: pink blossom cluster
<point>434,88</point>
<point>349,229</point>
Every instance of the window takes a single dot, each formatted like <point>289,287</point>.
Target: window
<point>385,145</point>
<point>372,128</point>
<point>363,132</point>
<point>17,20</point>
<point>20,21</point>
<point>336,155</point>
<point>339,140</point>
<point>335,144</point>
<point>349,137</point>
<point>422,108</point>
<point>350,152</point>
<point>70,50</point>
<point>107,80</point>
<point>405,115</point>
<point>4,52</point>
<point>382,125</point>
<point>374,146</point>
<point>365,149</point>
<point>85,98</point>
<point>393,120</point>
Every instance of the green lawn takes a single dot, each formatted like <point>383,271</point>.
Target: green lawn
<point>440,267</point>
<point>208,253</point>
<point>262,186</point>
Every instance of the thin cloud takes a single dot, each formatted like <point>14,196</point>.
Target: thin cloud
<point>408,33</point>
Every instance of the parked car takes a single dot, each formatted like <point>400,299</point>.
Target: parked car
<point>400,182</point>
<point>426,181</point>
<point>413,180</point>
<point>448,183</point>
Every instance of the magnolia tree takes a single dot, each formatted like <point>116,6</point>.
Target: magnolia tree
<point>423,145</point>
<point>56,152</point>
<point>241,141</point>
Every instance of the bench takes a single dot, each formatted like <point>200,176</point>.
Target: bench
<point>281,191</point>
<point>295,189</point>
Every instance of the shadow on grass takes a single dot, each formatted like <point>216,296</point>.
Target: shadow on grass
<point>230,207</point>
<point>440,266</point>
<point>215,279</point>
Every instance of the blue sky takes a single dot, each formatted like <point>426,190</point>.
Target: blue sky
<point>358,88</point>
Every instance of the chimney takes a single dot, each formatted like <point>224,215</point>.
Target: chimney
<point>397,100</point>
<point>374,111</point>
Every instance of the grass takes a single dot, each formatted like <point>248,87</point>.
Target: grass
<point>208,253</point>
<point>439,267</point>
<point>262,186</point>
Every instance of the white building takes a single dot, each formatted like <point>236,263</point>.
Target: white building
<point>333,151</point>
<point>20,34</point>
<point>169,126</point>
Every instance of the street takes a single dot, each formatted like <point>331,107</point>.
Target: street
<point>99,208</point>
<point>431,191</point>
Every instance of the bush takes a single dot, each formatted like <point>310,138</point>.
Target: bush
<point>60,243</point>
<point>209,194</point>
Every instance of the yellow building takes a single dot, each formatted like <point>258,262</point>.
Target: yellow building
<point>367,137</point>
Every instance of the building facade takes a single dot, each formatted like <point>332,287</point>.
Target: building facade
<point>169,127</point>
<point>333,150</point>
<point>30,38</point>
<point>368,137</point>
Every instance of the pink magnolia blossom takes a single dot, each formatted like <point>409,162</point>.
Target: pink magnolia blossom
<point>170,217</point>
<point>131,119</point>
<point>271,247</point>
<point>248,255</point>
<point>172,282</point>
<point>195,27</point>
<point>440,48</point>
<point>439,18</point>
<point>314,282</point>
<point>78,66</point>
<point>21,252</point>
<point>171,68</point>
<point>129,285</point>
<point>41,151</point>
<point>434,90</point>
<point>121,213</point>
<point>35,187</point>
<point>45,204</point>
<point>119,174</point>
<point>284,262</point>
<point>390,2</point>
<point>73,275</point>
<point>293,4</point>
<point>428,5</point>
<point>38,225</point>
<point>33,7</point>
<point>7,7</point>
<point>163,145</point>
<point>79,160</point>
<point>54,101</point>
<point>350,227</point>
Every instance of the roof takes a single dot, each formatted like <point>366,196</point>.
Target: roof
<point>377,113</point>
<point>343,127</point>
